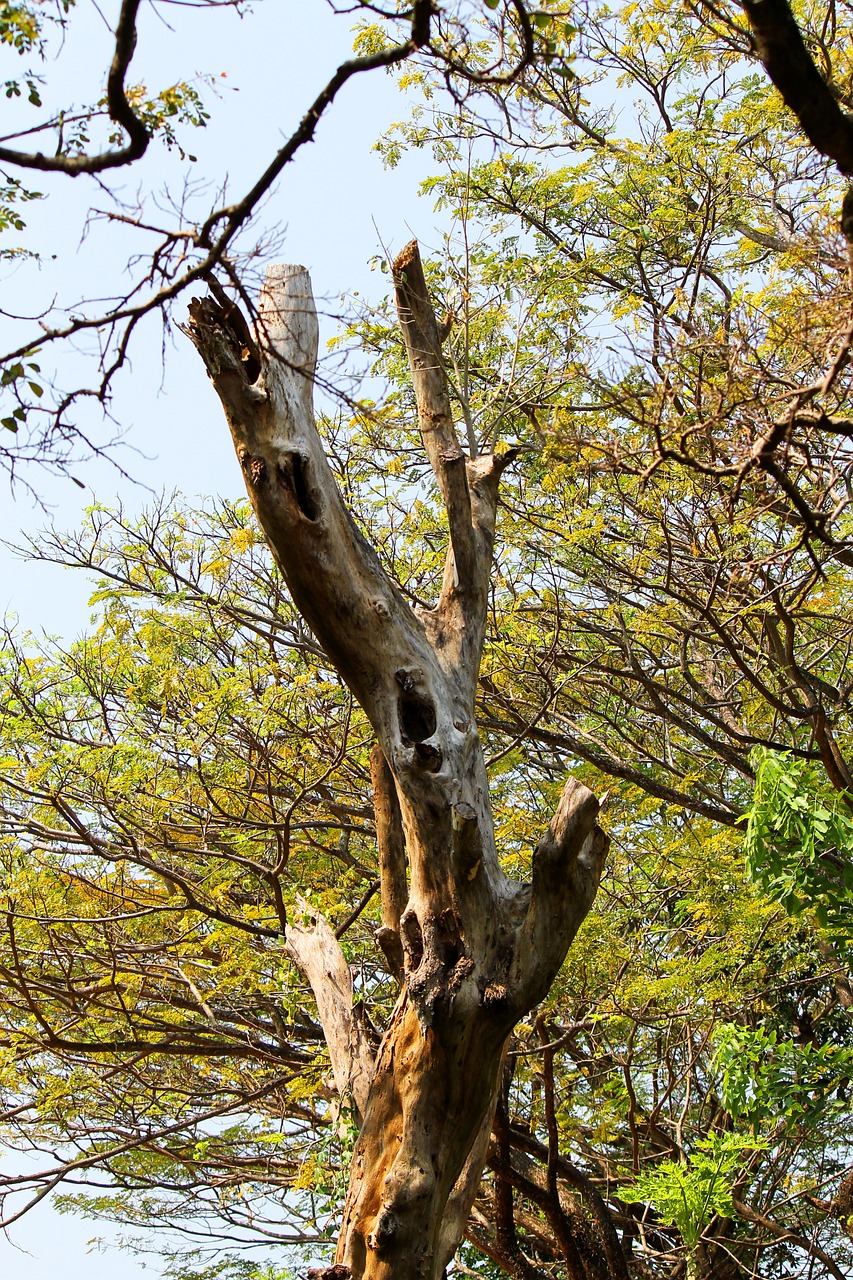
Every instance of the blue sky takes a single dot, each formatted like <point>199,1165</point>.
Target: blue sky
<point>336,202</point>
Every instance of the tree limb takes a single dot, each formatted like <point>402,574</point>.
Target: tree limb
<point>392,859</point>
<point>317,954</point>
<point>781,48</point>
<point>567,866</point>
<point>809,1247</point>
<point>119,108</point>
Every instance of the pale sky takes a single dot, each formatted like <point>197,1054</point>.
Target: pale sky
<point>336,201</point>
<point>276,61</point>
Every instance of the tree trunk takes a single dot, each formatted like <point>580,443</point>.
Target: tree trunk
<point>478,950</point>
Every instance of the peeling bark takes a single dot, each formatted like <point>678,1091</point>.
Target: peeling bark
<point>476,949</point>
<point>318,956</point>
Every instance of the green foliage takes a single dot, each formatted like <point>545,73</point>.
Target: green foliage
<point>687,1195</point>
<point>225,1269</point>
<point>176,777</point>
<point>18,377</point>
<point>25,28</point>
<point>622,294</point>
<point>172,800</point>
<point>154,773</point>
<point>799,841</point>
<point>22,25</point>
<point>768,1080</point>
<point>14,90</point>
<point>181,104</point>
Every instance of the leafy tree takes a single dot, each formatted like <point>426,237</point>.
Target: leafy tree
<point>150,945</point>
<point>660,327</point>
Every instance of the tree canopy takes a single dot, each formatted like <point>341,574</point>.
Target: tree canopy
<point>646,299</point>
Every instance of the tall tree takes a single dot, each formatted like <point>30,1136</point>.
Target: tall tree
<point>192,767</point>
<point>478,949</point>
<point>675,602</point>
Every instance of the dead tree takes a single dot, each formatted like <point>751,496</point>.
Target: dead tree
<point>477,949</point>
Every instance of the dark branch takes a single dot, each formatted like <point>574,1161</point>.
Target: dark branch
<point>780,46</point>
<point>119,108</point>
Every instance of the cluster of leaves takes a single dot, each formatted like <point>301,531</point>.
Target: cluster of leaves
<point>181,104</point>
<point>19,379</point>
<point>767,1079</point>
<point>23,25</point>
<point>27,28</point>
<point>678,946</point>
<point>162,115</point>
<point>799,841</point>
<point>689,1195</point>
<point>24,28</point>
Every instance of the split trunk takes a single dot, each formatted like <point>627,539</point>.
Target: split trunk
<point>474,950</point>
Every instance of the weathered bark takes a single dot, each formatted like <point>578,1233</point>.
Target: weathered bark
<point>317,954</point>
<point>391,847</point>
<point>478,949</point>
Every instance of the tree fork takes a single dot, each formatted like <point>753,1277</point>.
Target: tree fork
<point>478,950</point>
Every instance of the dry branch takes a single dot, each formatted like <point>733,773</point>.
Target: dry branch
<point>477,948</point>
<point>317,954</point>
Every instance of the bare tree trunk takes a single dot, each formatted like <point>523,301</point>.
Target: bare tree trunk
<point>478,949</point>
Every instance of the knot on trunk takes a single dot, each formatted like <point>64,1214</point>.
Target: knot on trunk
<point>436,960</point>
<point>383,1234</point>
<point>415,707</point>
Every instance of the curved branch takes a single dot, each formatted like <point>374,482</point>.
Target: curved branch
<point>119,108</point>
<point>215,237</point>
<point>783,1234</point>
